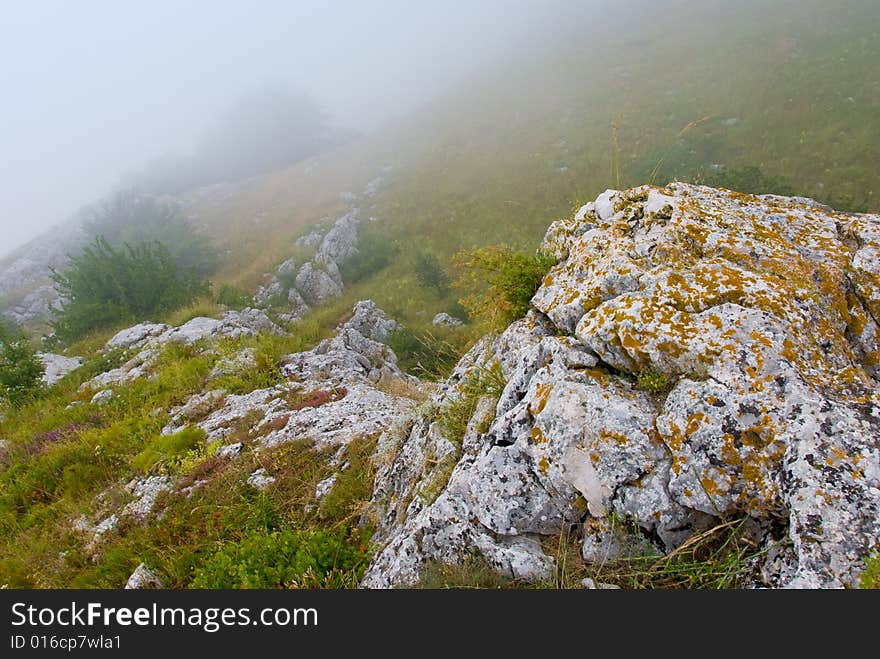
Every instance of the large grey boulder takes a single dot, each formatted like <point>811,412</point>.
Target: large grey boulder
<point>316,285</point>
<point>136,336</point>
<point>340,242</point>
<point>696,355</point>
<point>371,321</point>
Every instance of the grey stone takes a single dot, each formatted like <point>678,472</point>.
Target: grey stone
<point>445,320</point>
<point>56,367</point>
<point>143,578</point>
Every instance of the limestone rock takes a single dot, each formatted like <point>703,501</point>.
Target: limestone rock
<point>57,366</point>
<point>136,336</point>
<point>443,319</point>
<point>260,479</point>
<point>143,578</point>
<point>311,239</point>
<point>102,397</point>
<point>265,294</point>
<point>145,492</point>
<point>695,355</point>
<point>316,285</point>
<point>371,321</point>
<point>248,321</point>
<point>195,409</point>
<point>340,242</point>
<point>336,392</point>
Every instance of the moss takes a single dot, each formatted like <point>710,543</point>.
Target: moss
<point>871,576</point>
<point>654,382</point>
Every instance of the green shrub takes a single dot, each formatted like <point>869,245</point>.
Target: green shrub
<point>481,381</point>
<point>104,285</point>
<point>429,272</point>
<point>284,559</point>
<point>232,297</point>
<point>166,448</point>
<point>871,575</point>
<point>424,354</point>
<point>133,218</point>
<point>21,371</point>
<point>654,382</point>
<point>374,252</point>
<point>499,282</point>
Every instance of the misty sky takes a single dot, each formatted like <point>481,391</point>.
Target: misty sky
<point>92,90</point>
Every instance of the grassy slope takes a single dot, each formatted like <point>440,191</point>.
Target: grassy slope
<point>496,160</point>
<point>513,149</point>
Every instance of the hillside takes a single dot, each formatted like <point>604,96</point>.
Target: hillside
<point>782,104</point>
<point>667,378</point>
<point>690,401</point>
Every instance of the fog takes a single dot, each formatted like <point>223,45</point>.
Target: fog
<point>95,90</point>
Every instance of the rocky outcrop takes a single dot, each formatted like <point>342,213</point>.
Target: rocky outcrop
<point>317,284</point>
<point>335,392</point>
<point>696,355</point>
<point>145,340</point>
<point>370,321</point>
<point>340,243</point>
<point>347,387</point>
<point>136,336</point>
<point>35,307</point>
<point>56,367</point>
<point>318,279</point>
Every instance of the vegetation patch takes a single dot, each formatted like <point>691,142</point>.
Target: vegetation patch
<point>481,381</point>
<point>499,283</point>
<point>164,450</point>
<point>284,559</point>
<point>105,285</point>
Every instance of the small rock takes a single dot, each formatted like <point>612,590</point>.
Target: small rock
<point>56,367</point>
<point>260,479</point>
<point>145,491</point>
<point>102,397</point>
<point>445,320</point>
<point>324,488</point>
<point>230,450</point>
<point>136,336</point>
<point>143,578</point>
<point>590,584</point>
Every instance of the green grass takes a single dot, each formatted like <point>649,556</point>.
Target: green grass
<point>456,415</point>
<point>60,458</point>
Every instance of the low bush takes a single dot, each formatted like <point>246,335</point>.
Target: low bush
<point>164,449</point>
<point>499,282</point>
<point>106,285</point>
<point>481,381</point>
<point>284,559</point>
<point>429,272</point>
<point>425,354</point>
<point>233,298</point>
<point>374,253</point>
<point>21,371</point>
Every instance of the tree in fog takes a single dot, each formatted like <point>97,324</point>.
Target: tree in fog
<point>133,218</point>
